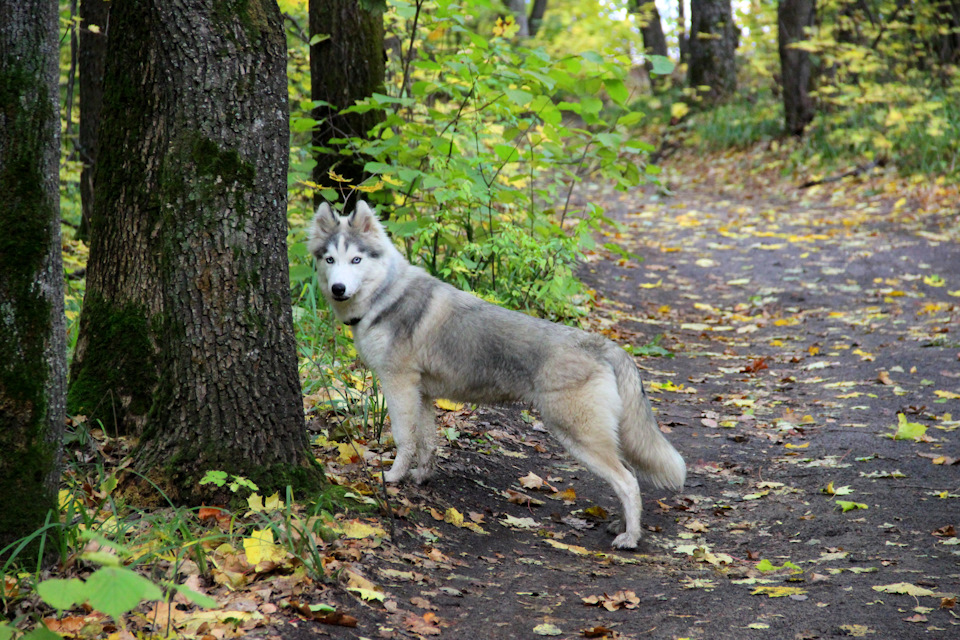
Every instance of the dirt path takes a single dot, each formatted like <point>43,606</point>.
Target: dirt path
<point>801,330</point>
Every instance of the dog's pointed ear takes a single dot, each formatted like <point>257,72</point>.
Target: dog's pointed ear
<point>363,218</point>
<point>326,221</point>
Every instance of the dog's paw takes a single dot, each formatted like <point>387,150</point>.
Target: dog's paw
<point>617,525</point>
<point>625,541</point>
<point>422,474</point>
<point>394,474</point>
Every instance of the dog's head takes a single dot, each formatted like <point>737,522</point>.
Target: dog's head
<point>343,247</point>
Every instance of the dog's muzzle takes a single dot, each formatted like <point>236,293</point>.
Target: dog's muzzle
<point>338,290</point>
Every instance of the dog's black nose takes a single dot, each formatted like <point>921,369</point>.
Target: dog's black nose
<point>338,289</point>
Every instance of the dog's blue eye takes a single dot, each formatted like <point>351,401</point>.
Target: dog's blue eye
<point>329,260</point>
<point>356,260</point>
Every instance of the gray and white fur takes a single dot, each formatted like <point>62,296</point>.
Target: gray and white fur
<point>425,340</point>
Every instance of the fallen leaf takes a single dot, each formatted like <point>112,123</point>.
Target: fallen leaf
<point>547,629</point>
<point>904,588</point>
<point>777,592</point>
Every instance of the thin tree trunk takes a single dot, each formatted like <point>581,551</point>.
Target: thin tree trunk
<point>793,17</point>
<point>94,24</point>
<point>32,335</point>
<point>346,67</point>
<point>713,45</point>
<point>651,29</point>
<point>682,37</point>
<point>188,264</point>
<point>537,11</point>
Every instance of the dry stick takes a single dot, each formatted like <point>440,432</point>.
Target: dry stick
<point>856,171</point>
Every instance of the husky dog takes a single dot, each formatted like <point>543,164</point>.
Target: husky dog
<point>425,339</point>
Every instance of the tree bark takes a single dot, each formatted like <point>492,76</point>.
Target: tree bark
<point>537,11</point>
<point>713,45</point>
<point>651,27</point>
<point>346,67</point>
<point>793,17</point>
<point>32,334</point>
<point>94,25</point>
<point>186,329</point>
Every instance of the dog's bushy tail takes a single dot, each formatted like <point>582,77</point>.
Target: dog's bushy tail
<point>641,442</point>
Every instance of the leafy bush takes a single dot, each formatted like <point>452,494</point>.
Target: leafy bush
<point>482,142</point>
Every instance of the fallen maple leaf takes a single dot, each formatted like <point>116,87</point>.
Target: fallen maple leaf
<point>426,625</point>
<point>531,481</point>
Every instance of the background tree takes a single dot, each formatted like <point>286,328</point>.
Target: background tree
<point>651,29</point>
<point>32,338</point>
<point>713,46</point>
<point>794,17</point>
<point>186,329</point>
<point>346,65</point>
<point>92,53</point>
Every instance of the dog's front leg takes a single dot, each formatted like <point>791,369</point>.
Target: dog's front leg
<point>402,393</point>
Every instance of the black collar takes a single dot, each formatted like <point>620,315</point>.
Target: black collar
<point>352,321</point>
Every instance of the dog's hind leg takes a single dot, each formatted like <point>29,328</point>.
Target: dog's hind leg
<point>402,393</point>
<point>585,422</point>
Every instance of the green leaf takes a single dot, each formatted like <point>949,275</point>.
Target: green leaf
<point>118,590</point>
<point>41,633</point>
<point>318,38</point>
<point>218,478</point>
<point>661,65</point>
<point>616,90</point>
<point>62,594</point>
<point>908,430</point>
<point>850,506</point>
<point>6,631</point>
<point>630,118</point>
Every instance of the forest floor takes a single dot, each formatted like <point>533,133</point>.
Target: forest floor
<point>807,328</point>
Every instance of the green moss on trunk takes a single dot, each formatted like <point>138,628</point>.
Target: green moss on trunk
<point>118,376</point>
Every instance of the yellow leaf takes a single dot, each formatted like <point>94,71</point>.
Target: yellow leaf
<point>259,547</point>
<point>350,452</point>
<point>777,592</point>
<point>904,588</point>
<point>255,502</point>
<point>797,446</point>
<point>947,394</point>
<point>336,177</point>
<point>273,503</point>
<point>453,517</point>
<point>357,530</point>
<point>370,188</point>
<point>449,405</point>
<point>393,182</point>
<point>678,110</point>
<point>652,285</point>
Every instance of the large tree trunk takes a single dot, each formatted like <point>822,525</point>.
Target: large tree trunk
<point>94,24</point>
<point>793,17</point>
<point>713,45</point>
<point>186,328</point>
<point>32,335</point>
<point>346,67</point>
